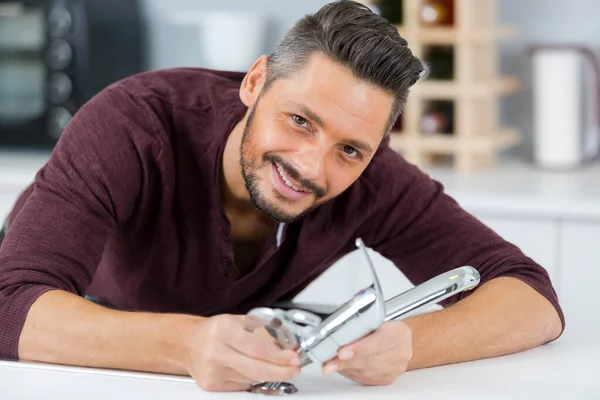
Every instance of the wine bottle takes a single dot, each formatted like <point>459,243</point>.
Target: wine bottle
<point>439,62</point>
<point>391,10</point>
<point>438,118</point>
<point>436,12</point>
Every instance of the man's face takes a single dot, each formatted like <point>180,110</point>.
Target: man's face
<point>309,137</point>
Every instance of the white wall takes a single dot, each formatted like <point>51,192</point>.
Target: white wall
<point>170,46</point>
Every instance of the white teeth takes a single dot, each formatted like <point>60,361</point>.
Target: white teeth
<point>286,180</point>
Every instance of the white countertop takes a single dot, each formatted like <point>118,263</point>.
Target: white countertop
<point>564,369</point>
<point>519,188</point>
<point>514,187</point>
<point>17,169</point>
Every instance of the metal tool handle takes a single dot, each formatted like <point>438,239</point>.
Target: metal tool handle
<point>318,341</point>
<point>362,314</point>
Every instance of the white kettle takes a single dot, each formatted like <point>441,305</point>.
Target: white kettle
<point>566,106</point>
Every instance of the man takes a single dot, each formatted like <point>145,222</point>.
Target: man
<point>181,199</point>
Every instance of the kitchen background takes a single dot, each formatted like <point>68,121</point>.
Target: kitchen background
<point>537,21</point>
<point>540,194</point>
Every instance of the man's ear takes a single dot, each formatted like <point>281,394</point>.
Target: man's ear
<point>254,81</point>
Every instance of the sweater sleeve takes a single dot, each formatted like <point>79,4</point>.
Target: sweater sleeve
<point>90,185</point>
<point>425,232</point>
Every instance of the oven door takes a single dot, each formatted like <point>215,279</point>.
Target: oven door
<point>28,84</point>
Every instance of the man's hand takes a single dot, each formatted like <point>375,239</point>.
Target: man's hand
<point>378,358</point>
<point>222,356</point>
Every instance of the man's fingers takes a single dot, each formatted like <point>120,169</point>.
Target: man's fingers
<point>261,348</point>
<point>374,343</point>
<point>377,342</point>
<point>365,359</point>
<point>256,370</point>
<point>376,359</point>
<point>232,359</point>
<point>256,358</point>
<point>372,362</point>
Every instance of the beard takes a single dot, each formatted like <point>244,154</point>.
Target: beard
<point>250,164</point>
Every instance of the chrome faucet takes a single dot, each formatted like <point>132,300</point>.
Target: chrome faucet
<point>318,340</point>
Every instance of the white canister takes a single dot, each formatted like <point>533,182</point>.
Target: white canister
<point>566,112</point>
<point>229,40</point>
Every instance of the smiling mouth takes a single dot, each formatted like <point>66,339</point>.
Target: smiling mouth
<point>288,181</point>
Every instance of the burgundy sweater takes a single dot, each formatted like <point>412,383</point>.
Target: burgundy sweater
<point>128,210</point>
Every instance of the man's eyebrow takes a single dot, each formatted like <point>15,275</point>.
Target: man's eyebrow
<point>310,114</point>
<point>306,111</point>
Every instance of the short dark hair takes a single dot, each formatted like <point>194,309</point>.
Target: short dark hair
<point>352,35</point>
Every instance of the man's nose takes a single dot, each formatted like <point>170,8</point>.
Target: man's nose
<point>310,161</point>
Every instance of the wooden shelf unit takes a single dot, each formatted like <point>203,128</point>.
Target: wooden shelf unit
<point>444,35</point>
<point>475,90</point>
<point>445,90</point>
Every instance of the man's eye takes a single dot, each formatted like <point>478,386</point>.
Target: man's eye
<point>300,121</point>
<point>350,151</point>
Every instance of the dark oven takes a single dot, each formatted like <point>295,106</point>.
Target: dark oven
<point>55,55</point>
